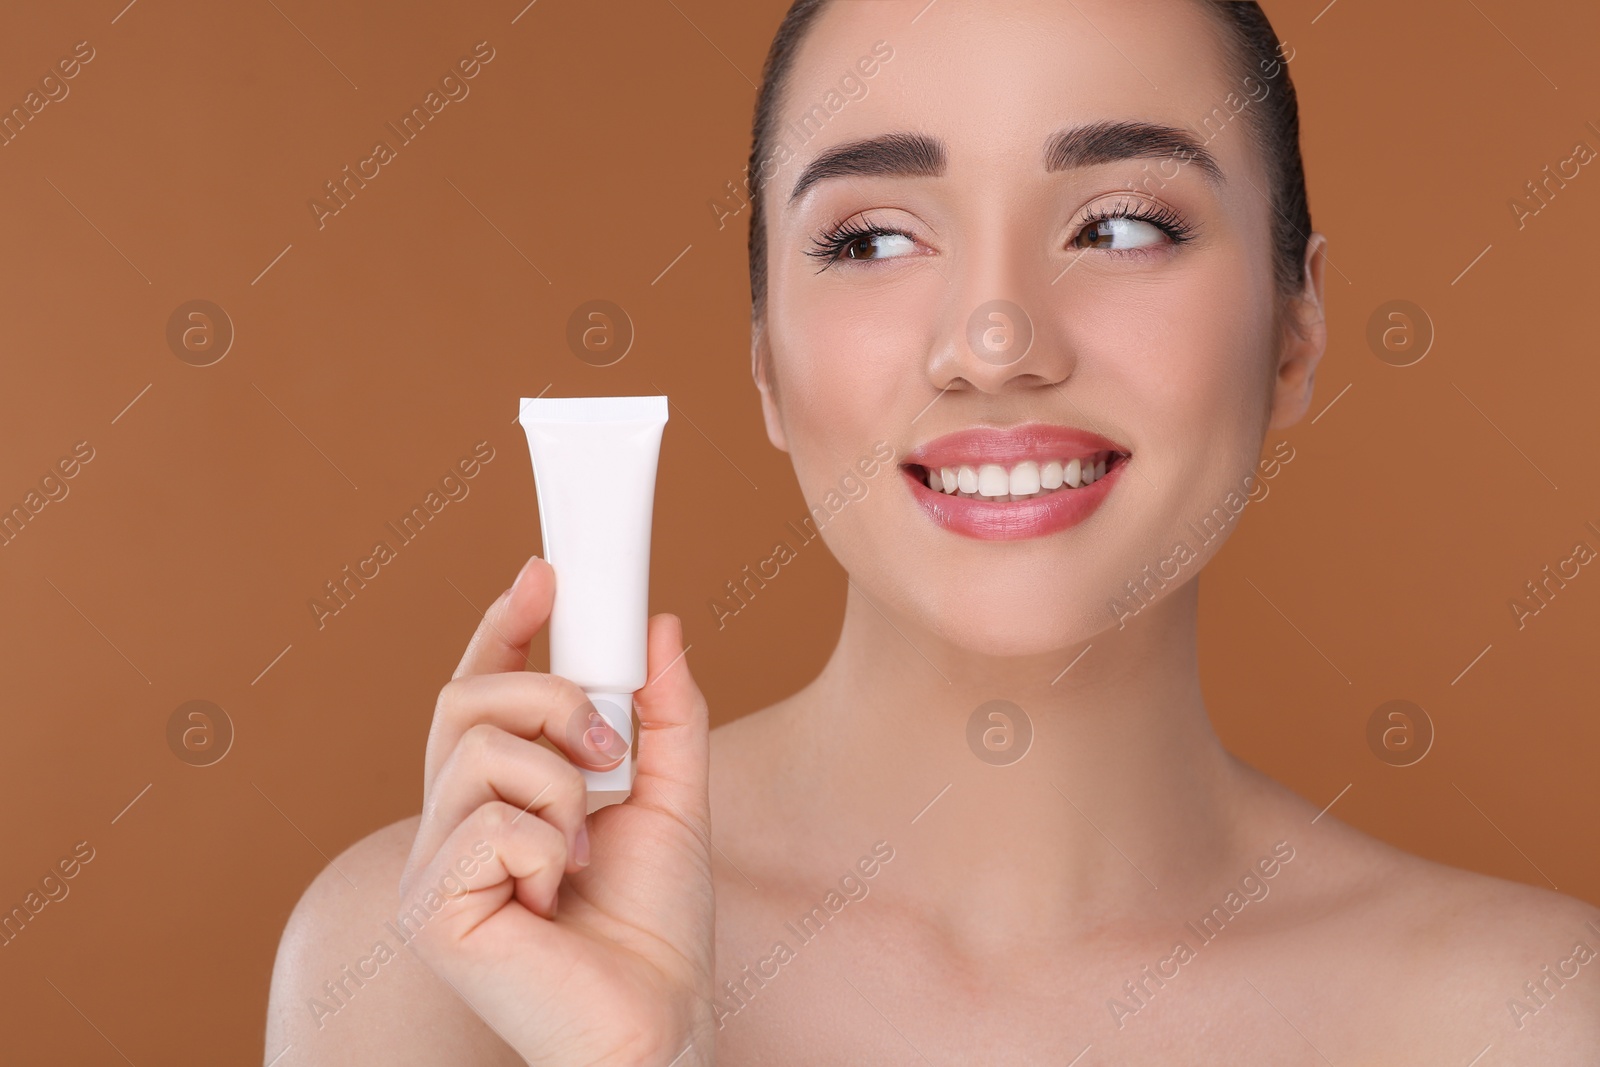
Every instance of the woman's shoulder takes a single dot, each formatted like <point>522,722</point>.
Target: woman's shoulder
<point>1369,872</point>
<point>1442,950</point>
<point>346,986</point>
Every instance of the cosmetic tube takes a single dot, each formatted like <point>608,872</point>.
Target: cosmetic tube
<point>594,469</point>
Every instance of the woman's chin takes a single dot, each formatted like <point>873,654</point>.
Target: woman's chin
<point>1017,631</point>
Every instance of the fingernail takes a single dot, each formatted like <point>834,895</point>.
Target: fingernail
<point>601,741</point>
<point>580,846</point>
<point>525,567</point>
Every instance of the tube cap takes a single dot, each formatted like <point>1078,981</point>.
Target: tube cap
<point>615,782</point>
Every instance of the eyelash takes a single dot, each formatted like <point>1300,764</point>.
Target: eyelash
<point>1163,218</point>
<point>828,245</point>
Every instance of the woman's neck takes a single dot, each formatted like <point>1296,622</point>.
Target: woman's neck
<point>1123,787</point>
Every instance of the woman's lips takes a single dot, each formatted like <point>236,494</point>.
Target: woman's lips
<point>1007,447</point>
<point>1011,519</point>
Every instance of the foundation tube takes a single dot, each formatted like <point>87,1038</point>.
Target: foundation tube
<point>594,469</point>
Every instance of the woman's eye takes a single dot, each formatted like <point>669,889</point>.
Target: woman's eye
<point>1119,235</point>
<point>887,244</point>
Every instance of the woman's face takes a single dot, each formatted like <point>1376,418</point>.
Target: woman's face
<point>1121,291</point>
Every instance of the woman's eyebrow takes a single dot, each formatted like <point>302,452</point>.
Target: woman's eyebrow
<point>917,155</point>
<point>1109,142</point>
<point>898,155</point>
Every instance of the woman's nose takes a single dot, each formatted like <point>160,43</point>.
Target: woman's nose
<point>1000,326</point>
<point>1000,332</point>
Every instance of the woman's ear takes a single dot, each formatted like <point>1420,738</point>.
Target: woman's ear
<point>1304,340</point>
<point>761,371</point>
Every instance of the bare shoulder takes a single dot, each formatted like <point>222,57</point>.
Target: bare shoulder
<point>1442,961</point>
<point>1521,961</point>
<point>345,986</point>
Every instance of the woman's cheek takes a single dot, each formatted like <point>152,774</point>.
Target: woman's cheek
<point>843,382</point>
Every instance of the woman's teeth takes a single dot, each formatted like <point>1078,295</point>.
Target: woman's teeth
<point>1024,481</point>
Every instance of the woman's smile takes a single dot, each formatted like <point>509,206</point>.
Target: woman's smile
<point>1012,222</point>
<point>1007,484</point>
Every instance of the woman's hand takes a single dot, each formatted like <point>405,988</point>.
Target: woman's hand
<point>579,941</point>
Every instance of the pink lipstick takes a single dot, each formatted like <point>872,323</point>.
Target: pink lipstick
<point>1014,483</point>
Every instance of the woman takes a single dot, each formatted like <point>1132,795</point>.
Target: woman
<point>1055,260</point>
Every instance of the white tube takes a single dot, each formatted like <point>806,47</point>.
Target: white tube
<point>594,465</point>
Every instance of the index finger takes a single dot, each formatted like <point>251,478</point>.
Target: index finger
<point>501,641</point>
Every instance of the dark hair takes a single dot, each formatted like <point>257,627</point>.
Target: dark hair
<point>1274,125</point>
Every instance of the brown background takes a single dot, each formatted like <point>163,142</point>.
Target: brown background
<point>377,350</point>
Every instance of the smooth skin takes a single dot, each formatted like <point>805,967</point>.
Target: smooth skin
<point>1019,899</point>
<point>563,940</point>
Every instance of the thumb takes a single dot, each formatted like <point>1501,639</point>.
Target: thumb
<point>674,728</point>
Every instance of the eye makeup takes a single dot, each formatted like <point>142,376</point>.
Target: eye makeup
<point>833,243</point>
<point>853,240</point>
<point>1163,217</point>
